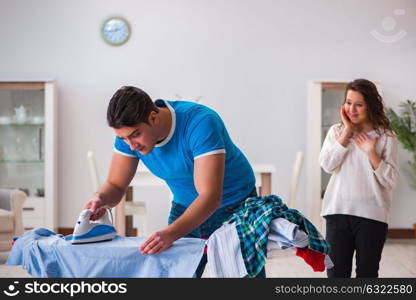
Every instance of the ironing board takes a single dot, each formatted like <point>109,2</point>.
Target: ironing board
<point>43,253</point>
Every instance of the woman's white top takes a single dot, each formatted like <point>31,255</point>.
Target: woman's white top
<point>355,188</point>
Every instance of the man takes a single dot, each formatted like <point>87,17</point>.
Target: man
<point>188,146</point>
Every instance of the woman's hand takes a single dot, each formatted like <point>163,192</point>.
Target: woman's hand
<point>348,125</point>
<point>368,145</point>
<point>157,242</point>
<point>348,128</point>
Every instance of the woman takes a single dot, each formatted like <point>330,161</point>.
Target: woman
<point>361,155</point>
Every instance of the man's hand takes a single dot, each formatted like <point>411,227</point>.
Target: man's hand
<point>157,243</point>
<point>97,206</point>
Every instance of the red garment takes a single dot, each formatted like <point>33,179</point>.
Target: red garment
<point>313,258</point>
<point>205,248</point>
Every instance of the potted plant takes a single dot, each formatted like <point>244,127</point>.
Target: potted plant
<point>404,125</point>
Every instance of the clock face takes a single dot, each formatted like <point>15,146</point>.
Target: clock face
<point>115,31</point>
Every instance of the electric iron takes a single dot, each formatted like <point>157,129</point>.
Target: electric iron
<point>87,231</point>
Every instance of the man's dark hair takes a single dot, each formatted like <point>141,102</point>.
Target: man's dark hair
<point>128,107</point>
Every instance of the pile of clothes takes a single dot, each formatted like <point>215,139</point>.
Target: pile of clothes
<point>239,248</point>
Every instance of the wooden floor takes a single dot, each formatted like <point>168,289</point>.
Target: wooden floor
<point>398,260</point>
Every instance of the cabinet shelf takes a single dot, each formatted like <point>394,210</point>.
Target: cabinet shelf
<point>3,161</point>
<point>22,124</point>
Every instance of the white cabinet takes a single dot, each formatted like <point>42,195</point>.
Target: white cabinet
<point>28,139</point>
<point>324,100</point>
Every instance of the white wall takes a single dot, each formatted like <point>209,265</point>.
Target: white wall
<point>249,59</point>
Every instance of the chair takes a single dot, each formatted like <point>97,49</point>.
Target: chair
<point>11,223</point>
<point>125,210</point>
<point>293,188</point>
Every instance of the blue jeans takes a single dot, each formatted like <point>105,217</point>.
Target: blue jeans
<point>209,226</point>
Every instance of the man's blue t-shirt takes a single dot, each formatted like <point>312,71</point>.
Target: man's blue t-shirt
<point>196,131</point>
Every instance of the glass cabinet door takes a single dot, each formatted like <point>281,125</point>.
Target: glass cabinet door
<point>331,103</point>
<point>22,139</point>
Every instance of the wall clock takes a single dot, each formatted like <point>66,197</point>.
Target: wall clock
<point>115,31</point>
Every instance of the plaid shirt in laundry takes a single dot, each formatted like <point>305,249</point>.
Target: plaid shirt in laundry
<point>253,221</point>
